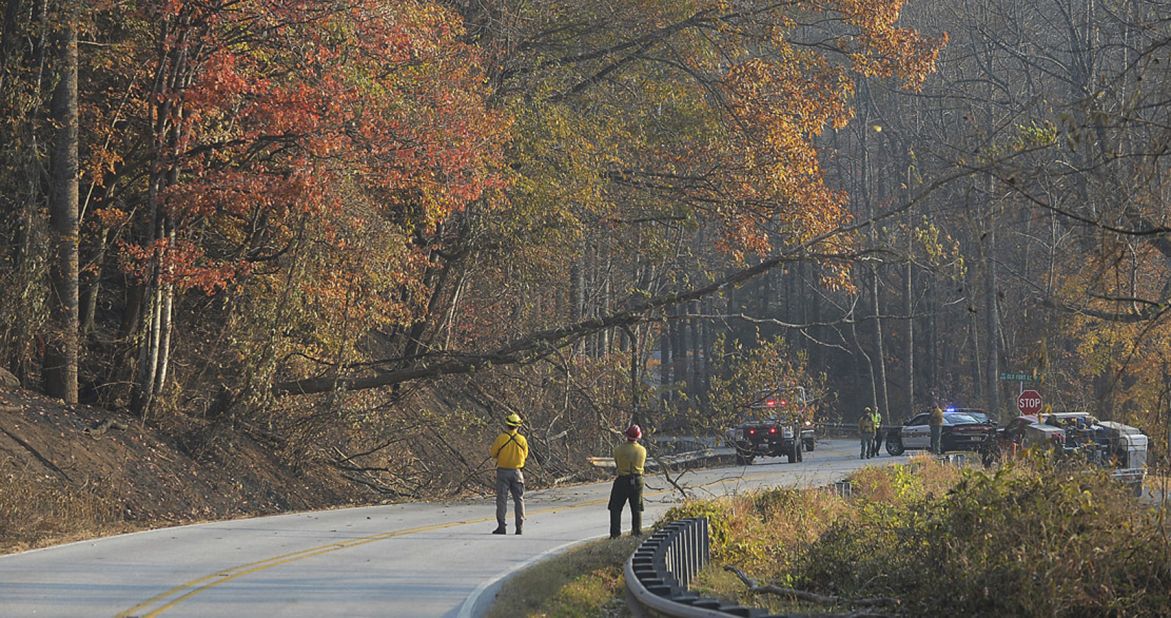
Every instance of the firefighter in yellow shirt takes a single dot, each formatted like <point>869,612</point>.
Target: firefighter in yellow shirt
<point>510,450</point>
<point>629,459</point>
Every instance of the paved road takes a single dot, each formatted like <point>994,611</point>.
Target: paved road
<point>395,560</point>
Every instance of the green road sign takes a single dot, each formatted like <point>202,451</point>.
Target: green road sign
<point>1016,376</point>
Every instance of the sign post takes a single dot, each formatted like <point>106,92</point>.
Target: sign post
<point>1029,402</point>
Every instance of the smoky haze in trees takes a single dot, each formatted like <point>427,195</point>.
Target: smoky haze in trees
<point>294,217</point>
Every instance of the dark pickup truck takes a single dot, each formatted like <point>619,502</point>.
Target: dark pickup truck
<point>774,429</point>
<point>767,438</point>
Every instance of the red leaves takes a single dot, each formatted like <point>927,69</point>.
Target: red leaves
<point>181,264</point>
<point>219,84</point>
<point>268,118</point>
<point>385,96</point>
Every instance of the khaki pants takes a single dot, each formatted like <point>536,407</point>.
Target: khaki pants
<point>510,481</point>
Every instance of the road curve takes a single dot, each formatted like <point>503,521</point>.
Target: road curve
<point>428,559</point>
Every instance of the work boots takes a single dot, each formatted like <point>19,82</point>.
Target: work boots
<point>501,530</point>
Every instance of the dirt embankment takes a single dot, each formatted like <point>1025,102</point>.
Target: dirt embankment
<point>70,472</point>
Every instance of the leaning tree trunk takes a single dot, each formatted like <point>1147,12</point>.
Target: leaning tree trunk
<point>62,348</point>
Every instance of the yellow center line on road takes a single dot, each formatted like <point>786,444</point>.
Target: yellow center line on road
<point>193,587</point>
<point>223,576</point>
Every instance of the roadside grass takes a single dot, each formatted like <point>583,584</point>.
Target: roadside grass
<point>34,513</point>
<point>585,581</point>
<point>1028,539</point>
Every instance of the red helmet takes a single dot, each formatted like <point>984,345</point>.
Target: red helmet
<point>633,433</point>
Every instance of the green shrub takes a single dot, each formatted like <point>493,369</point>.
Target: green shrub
<point>1031,540</point>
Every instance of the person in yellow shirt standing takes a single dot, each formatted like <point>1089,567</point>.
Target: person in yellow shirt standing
<point>936,424</point>
<point>629,459</point>
<point>510,450</point>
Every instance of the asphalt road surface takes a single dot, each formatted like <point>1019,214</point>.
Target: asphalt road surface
<point>395,560</point>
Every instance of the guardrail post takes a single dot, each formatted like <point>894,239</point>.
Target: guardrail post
<point>659,573</point>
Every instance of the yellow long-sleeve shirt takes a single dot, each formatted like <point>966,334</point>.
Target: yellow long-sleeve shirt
<point>510,450</point>
<point>630,458</point>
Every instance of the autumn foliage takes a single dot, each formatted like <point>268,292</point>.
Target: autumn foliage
<point>312,192</point>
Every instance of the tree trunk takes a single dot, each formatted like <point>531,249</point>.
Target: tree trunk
<point>147,334</point>
<point>880,388</point>
<point>94,284</point>
<point>8,37</point>
<point>577,296</point>
<point>693,349</point>
<point>869,363</point>
<point>166,326</point>
<point>709,336</point>
<point>879,347</point>
<point>977,363</point>
<point>678,350</point>
<point>991,324</point>
<point>61,354</point>
<point>635,412</point>
<point>933,361</point>
<point>910,309</point>
<point>665,362</point>
<point>910,360</point>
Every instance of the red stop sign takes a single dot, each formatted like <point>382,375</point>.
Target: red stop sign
<point>1029,402</point>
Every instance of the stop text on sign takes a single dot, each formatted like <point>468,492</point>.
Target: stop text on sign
<point>1029,402</point>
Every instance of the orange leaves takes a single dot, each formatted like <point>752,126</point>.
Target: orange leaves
<point>366,276</point>
<point>782,105</point>
<point>171,8</point>
<point>783,96</point>
<point>111,217</point>
<point>882,49</point>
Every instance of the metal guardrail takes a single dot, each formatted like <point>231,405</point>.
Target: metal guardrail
<point>660,571</point>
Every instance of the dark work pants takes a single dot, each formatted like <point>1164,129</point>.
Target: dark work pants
<point>627,488</point>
